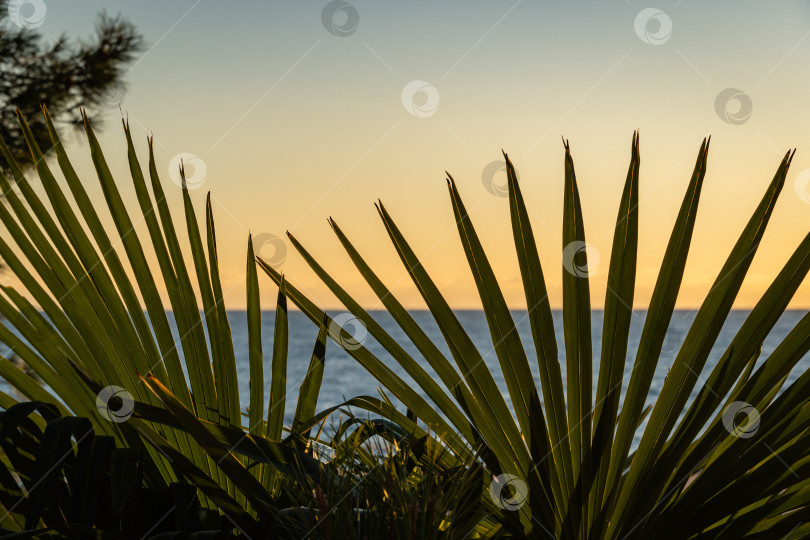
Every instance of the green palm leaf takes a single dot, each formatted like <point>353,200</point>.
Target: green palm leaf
<point>618,315</point>
<point>695,349</point>
<point>593,486</point>
<point>77,323</point>
<point>542,326</point>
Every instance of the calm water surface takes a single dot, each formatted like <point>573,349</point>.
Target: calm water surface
<point>344,378</point>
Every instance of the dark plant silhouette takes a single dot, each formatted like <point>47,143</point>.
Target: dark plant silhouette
<point>69,74</point>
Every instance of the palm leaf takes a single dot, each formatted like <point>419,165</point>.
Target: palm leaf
<point>577,332</point>
<point>659,313</point>
<point>513,361</point>
<point>422,378</point>
<point>311,385</point>
<point>618,315</point>
<point>612,492</point>
<point>78,324</point>
<point>696,347</point>
<point>542,327</point>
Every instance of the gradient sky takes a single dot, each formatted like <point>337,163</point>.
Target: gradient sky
<point>295,124</point>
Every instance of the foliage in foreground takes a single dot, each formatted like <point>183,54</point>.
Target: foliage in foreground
<point>699,469</point>
<point>459,465</point>
<point>58,478</point>
<point>85,488</point>
<point>91,339</point>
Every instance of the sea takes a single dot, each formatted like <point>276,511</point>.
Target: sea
<point>344,378</point>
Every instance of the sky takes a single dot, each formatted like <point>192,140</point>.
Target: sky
<point>292,112</point>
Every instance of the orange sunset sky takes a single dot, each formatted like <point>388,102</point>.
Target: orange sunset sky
<point>295,114</point>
